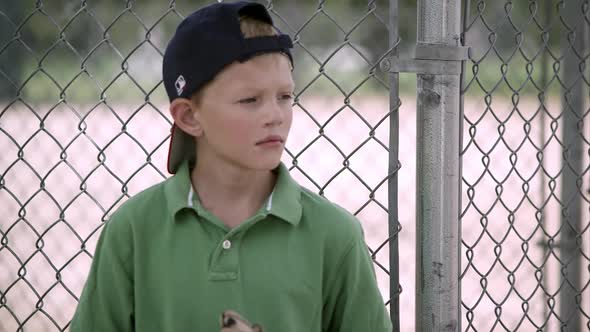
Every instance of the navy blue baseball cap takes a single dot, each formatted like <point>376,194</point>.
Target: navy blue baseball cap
<point>204,43</point>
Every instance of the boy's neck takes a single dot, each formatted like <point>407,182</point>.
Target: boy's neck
<point>245,191</point>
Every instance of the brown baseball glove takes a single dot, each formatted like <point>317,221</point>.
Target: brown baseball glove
<point>231,321</point>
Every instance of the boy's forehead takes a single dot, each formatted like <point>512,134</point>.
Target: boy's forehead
<point>262,69</point>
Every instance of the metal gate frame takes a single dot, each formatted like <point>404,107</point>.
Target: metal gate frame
<point>437,63</point>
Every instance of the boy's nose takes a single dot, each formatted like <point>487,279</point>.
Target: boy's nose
<point>275,114</point>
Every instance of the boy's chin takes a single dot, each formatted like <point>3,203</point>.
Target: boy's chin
<point>269,166</point>
<point>266,165</point>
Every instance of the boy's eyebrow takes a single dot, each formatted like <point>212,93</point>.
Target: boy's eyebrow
<point>283,86</point>
<point>287,86</point>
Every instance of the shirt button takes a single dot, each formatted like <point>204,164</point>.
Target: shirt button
<point>226,244</point>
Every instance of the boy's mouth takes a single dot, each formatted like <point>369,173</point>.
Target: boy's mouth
<point>272,139</point>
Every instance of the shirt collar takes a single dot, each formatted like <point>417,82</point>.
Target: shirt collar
<point>284,202</point>
<point>177,189</point>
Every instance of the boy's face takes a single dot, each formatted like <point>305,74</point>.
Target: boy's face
<point>245,113</point>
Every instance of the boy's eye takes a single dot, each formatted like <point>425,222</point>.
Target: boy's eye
<point>287,96</point>
<point>248,100</point>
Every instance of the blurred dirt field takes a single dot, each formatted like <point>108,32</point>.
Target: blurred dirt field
<point>76,163</point>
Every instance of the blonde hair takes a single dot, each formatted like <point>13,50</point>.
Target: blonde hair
<point>252,27</point>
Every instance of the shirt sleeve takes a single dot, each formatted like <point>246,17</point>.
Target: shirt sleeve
<point>106,303</point>
<point>354,302</point>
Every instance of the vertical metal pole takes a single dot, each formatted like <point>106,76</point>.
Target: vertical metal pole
<point>392,185</point>
<point>573,152</point>
<point>438,177</point>
<point>464,22</point>
<point>545,37</point>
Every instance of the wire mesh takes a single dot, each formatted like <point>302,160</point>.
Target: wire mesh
<point>84,126</point>
<point>525,201</point>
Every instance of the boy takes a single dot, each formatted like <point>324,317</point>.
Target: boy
<point>230,230</point>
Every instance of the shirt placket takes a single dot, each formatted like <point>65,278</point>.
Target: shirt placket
<point>224,264</point>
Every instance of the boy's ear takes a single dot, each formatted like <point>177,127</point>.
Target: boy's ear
<point>186,117</point>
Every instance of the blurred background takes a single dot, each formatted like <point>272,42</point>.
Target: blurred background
<point>84,125</point>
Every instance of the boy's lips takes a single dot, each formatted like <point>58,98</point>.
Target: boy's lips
<point>275,139</point>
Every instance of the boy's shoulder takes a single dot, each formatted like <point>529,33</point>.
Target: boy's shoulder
<point>151,201</point>
<point>326,215</point>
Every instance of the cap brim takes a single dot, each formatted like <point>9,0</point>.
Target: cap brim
<point>182,147</point>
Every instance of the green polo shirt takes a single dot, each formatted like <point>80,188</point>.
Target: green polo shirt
<point>164,263</point>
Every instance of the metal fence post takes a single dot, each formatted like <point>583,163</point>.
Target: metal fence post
<point>573,153</point>
<point>438,176</point>
<point>393,168</point>
<point>544,100</point>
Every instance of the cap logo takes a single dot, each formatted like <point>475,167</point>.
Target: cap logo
<point>180,84</point>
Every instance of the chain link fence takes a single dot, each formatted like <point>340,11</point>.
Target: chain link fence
<point>84,126</point>
<point>526,247</point>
